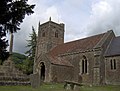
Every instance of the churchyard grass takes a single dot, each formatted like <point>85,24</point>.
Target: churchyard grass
<point>58,87</point>
<point>100,88</point>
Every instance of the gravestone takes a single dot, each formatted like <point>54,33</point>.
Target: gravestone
<point>35,80</point>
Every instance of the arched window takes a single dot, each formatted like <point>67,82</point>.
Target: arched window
<point>56,34</point>
<point>84,65</point>
<point>113,64</point>
<point>43,34</point>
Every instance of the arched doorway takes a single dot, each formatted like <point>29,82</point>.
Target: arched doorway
<point>42,75</point>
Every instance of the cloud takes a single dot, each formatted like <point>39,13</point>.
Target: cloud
<point>61,11</point>
<point>82,18</point>
<point>74,18</point>
<point>104,16</point>
<point>42,14</point>
<point>52,12</point>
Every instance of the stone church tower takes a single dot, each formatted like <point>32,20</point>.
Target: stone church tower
<point>91,60</point>
<point>50,34</point>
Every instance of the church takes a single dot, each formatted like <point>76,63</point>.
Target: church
<point>94,60</point>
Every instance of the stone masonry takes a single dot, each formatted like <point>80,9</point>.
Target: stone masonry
<point>9,75</point>
<point>85,60</point>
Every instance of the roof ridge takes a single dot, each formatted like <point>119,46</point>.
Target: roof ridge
<point>85,38</point>
<point>74,46</point>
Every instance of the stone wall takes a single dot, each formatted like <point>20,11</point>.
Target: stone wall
<point>9,75</point>
<point>50,34</point>
<point>75,59</point>
<point>100,49</point>
<point>112,76</point>
<point>61,73</point>
<point>37,67</point>
<point>47,40</point>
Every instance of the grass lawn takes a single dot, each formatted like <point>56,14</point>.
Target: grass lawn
<point>101,88</point>
<point>57,87</point>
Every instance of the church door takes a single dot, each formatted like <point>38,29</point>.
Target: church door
<point>42,71</point>
<point>96,76</point>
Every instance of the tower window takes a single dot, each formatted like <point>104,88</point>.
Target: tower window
<point>56,34</point>
<point>113,64</point>
<point>43,34</point>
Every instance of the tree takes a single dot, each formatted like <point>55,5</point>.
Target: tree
<point>3,44</point>
<point>27,66</point>
<point>12,13</point>
<point>18,59</point>
<point>32,45</point>
<point>28,63</point>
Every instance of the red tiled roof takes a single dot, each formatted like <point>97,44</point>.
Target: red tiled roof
<point>74,46</point>
<point>78,45</point>
<point>59,61</point>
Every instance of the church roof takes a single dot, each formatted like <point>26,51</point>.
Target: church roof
<point>114,48</point>
<point>74,46</point>
<point>78,45</point>
<point>60,61</point>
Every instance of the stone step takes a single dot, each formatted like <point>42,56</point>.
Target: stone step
<point>11,83</point>
<point>11,74</point>
<point>8,78</point>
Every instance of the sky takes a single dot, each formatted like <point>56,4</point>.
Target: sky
<point>82,18</point>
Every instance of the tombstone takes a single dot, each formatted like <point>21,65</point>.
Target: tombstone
<point>35,80</point>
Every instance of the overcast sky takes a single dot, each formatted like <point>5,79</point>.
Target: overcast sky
<point>82,18</point>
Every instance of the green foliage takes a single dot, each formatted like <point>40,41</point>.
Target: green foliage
<point>28,63</point>
<point>3,45</point>
<point>27,66</point>
<point>18,60</point>
<point>23,63</point>
<point>0,62</point>
<point>32,45</point>
<point>12,13</point>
